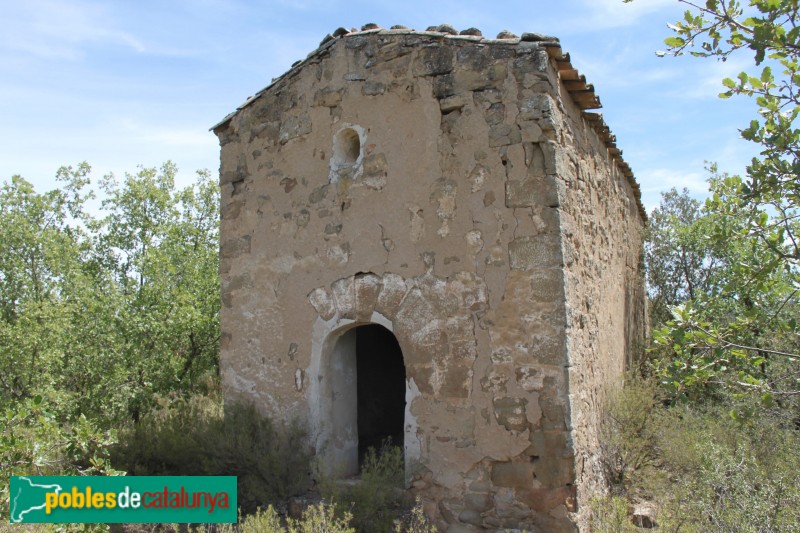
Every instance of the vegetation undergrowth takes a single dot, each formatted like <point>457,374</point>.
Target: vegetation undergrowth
<point>316,519</point>
<point>376,500</point>
<point>319,518</point>
<point>193,436</point>
<point>705,469</point>
<point>374,503</point>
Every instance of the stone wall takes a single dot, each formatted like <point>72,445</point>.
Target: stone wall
<point>444,188</point>
<point>601,231</point>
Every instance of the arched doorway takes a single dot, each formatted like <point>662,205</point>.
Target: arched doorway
<point>381,389</point>
<point>363,394</point>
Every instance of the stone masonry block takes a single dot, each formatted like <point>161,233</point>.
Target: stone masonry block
<point>545,499</point>
<point>532,192</point>
<point>547,285</point>
<point>323,303</point>
<point>554,471</point>
<point>391,295</point>
<point>376,165</point>
<point>479,502</point>
<point>344,298</point>
<point>503,135</point>
<point>536,107</point>
<point>550,444</point>
<point>328,97</point>
<point>529,253</point>
<point>294,126</point>
<point>477,80</point>
<point>457,381</point>
<point>510,413</point>
<point>366,288</point>
<point>235,247</point>
<point>233,284</point>
<point>513,475</point>
<point>552,413</point>
<point>433,61</point>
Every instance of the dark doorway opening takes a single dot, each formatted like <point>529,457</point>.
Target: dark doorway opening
<point>381,389</point>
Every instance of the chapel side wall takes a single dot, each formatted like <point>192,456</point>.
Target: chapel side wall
<point>602,232</point>
<point>524,478</point>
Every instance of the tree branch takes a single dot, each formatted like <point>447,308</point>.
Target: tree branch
<point>729,344</point>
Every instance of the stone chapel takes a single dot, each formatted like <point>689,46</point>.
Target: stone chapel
<point>428,237</point>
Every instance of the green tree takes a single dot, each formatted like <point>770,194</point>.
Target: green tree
<point>733,329</point>
<point>41,250</point>
<point>769,30</point>
<point>47,285</point>
<point>745,324</point>
<point>161,246</point>
<point>679,261</point>
<point>101,312</point>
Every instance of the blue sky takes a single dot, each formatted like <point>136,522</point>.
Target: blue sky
<point>121,83</point>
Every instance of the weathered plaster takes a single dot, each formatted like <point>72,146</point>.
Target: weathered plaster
<point>481,218</point>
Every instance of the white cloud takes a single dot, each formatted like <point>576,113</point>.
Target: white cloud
<point>57,30</point>
<point>706,75</point>
<point>598,15</point>
<point>662,179</point>
<point>623,66</point>
<point>654,181</point>
<point>156,134</point>
<point>182,137</point>
<point>626,10</point>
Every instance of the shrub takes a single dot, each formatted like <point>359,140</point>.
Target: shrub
<point>708,470</point>
<point>193,437</point>
<point>610,515</point>
<point>169,439</point>
<point>271,462</point>
<point>262,521</point>
<point>33,441</point>
<point>728,477</point>
<point>628,433</point>
<point>321,518</point>
<point>414,522</point>
<point>377,499</point>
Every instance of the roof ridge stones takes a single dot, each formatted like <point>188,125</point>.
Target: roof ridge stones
<point>581,92</point>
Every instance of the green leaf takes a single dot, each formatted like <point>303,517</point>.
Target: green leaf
<point>767,400</point>
<point>674,42</point>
